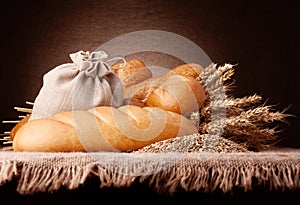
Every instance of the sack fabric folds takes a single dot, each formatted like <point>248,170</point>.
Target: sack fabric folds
<point>87,82</point>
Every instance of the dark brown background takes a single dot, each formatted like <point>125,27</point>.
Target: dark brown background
<point>261,37</point>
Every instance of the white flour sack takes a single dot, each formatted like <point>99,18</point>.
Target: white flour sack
<point>87,82</point>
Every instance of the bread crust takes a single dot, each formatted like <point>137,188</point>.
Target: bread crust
<point>178,93</point>
<point>16,128</point>
<point>134,72</point>
<point>177,90</point>
<point>102,128</point>
<point>189,69</point>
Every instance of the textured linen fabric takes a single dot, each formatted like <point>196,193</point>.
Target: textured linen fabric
<point>87,82</point>
<point>164,172</point>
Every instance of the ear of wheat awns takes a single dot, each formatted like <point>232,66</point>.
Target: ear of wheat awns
<point>249,121</point>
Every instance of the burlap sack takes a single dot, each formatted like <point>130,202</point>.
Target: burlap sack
<point>83,84</point>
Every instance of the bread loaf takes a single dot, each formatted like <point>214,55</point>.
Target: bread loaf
<point>101,128</point>
<point>189,69</point>
<point>178,93</point>
<point>178,90</point>
<point>134,72</point>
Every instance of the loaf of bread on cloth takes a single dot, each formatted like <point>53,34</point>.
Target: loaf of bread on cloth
<point>177,90</point>
<point>102,128</point>
<point>154,109</point>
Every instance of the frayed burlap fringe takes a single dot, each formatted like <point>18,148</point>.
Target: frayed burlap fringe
<point>168,172</point>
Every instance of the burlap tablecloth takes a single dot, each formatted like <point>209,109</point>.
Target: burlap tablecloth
<point>164,172</point>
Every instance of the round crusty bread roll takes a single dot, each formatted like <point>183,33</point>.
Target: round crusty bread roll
<point>101,128</point>
<point>177,90</point>
<point>135,71</point>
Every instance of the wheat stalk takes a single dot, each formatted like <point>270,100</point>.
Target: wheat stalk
<point>7,142</point>
<point>244,101</point>
<point>244,122</point>
<point>262,114</point>
<point>241,130</point>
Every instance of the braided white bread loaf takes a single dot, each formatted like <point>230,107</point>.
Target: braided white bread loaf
<point>103,128</point>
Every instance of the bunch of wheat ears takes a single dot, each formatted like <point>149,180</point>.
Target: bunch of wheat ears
<point>247,121</point>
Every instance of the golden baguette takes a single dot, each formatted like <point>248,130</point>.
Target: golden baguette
<point>177,90</point>
<point>103,128</point>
